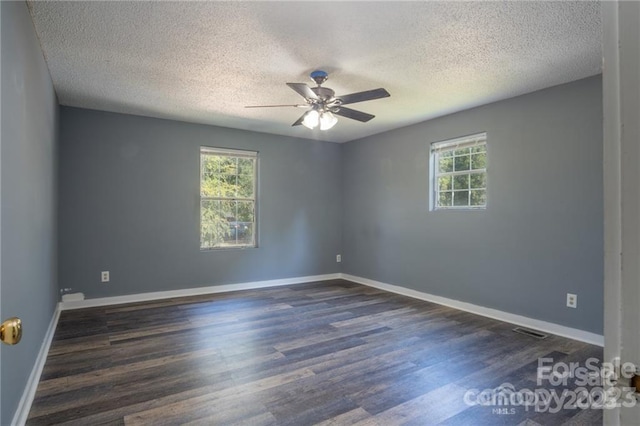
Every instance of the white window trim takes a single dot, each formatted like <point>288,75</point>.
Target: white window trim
<point>238,154</point>
<point>228,152</point>
<point>448,145</point>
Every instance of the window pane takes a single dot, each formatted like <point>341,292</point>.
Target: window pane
<point>228,210</point>
<point>210,163</point>
<point>479,161</point>
<point>446,154</point>
<point>228,165</point>
<point>209,210</point>
<point>462,163</point>
<point>445,199</point>
<point>245,166</point>
<point>241,223</point>
<point>446,164</point>
<point>214,225</point>
<point>461,182</point>
<point>239,233</point>
<point>444,183</point>
<point>244,211</point>
<point>463,151</point>
<point>478,197</point>
<point>461,198</point>
<point>479,148</point>
<point>478,180</point>
<point>228,184</point>
<point>243,233</point>
<point>245,186</point>
<point>209,186</point>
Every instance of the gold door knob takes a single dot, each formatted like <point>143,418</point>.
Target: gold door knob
<point>11,331</point>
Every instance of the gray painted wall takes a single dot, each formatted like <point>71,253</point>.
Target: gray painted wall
<point>129,203</point>
<point>541,235</point>
<point>29,133</point>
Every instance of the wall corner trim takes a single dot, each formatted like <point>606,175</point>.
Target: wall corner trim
<point>223,288</point>
<point>24,406</point>
<point>548,327</point>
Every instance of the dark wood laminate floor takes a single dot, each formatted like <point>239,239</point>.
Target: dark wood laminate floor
<point>332,352</point>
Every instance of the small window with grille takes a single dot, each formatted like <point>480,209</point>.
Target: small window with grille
<point>459,173</point>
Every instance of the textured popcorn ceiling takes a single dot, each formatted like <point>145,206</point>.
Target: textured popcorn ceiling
<point>203,61</point>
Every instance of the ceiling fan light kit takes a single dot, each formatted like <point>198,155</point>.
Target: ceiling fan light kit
<point>311,119</point>
<point>325,105</point>
<point>325,119</point>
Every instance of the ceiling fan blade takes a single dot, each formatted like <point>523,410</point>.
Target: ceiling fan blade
<point>368,95</point>
<point>353,114</point>
<point>276,106</point>
<point>303,90</point>
<point>299,120</point>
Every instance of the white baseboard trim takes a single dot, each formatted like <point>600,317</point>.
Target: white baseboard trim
<point>548,327</point>
<point>144,297</point>
<point>24,406</point>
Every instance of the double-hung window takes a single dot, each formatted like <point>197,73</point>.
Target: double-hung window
<point>459,173</point>
<point>227,198</point>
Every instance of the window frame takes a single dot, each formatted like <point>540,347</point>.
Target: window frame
<point>448,145</point>
<point>234,153</point>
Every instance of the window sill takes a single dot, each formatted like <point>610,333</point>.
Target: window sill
<point>227,248</point>
<point>460,209</point>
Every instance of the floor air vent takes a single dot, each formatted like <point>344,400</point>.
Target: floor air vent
<point>530,333</point>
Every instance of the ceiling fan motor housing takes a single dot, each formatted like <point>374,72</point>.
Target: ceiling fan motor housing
<point>324,93</point>
<point>319,76</point>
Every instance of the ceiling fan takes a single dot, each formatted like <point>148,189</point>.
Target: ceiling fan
<point>325,105</point>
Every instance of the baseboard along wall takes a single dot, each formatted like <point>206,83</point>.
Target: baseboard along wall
<point>22,412</point>
<point>547,327</point>
<point>225,288</point>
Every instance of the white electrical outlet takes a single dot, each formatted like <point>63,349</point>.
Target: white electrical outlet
<point>572,300</point>
<point>105,276</point>
<point>338,258</point>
